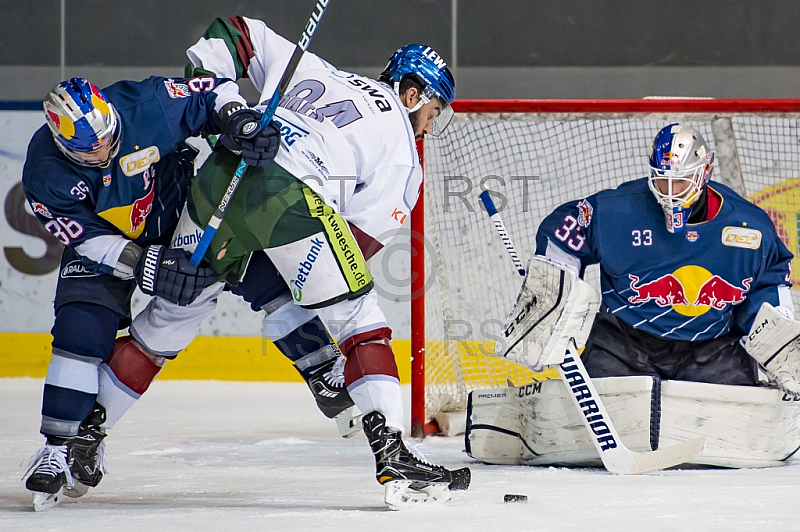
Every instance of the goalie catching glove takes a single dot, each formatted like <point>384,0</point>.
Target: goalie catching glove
<point>774,341</point>
<point>553,306</point>
<point>167,273</point>
<point>243,135</point>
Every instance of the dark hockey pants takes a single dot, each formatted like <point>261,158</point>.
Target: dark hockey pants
<point>616,349</point>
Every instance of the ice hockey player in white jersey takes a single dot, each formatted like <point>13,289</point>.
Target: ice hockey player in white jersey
<point>345,178</point>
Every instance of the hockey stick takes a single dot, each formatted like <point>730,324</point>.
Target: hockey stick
<point>615,456</point>
<point>269,112</point>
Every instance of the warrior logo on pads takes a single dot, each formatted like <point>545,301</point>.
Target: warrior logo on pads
<point>305,267</point>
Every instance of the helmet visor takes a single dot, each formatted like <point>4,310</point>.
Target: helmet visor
<point>445,111</point>
<point>441,122</point>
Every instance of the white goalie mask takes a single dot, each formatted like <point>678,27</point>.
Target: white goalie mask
<point>680,168</point>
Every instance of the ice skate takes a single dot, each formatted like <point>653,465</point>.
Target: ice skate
<point>408,479</point>
<point>87,454</point>
<point>327,384</point>
<point>48,475</point>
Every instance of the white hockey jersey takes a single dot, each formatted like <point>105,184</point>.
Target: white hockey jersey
<point>347,136</point>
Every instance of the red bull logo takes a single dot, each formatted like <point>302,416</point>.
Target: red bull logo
<point>717,292</point>
<point>669,159</point>
<point>689,290</point>
<point>41,209</point>
<point>667,290</point>
<point>141,208</point>
<point>585,211</point>
<point>177,90</point>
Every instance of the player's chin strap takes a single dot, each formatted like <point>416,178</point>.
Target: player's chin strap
<point>774,341</point>
<point>422,99</point>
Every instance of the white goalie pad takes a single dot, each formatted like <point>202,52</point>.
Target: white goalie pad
<point>774,341</point>
<point>536,424</point>
<point>553,306</point>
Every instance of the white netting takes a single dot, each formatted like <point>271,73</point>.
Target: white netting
<point>537,162</point>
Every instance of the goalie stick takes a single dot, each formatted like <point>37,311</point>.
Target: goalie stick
<point>269,112</point>
<point>616,457</point>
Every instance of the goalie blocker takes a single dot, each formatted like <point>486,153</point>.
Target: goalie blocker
<point>536,424</point>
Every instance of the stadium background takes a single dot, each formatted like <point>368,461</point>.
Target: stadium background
<point>497,49</point>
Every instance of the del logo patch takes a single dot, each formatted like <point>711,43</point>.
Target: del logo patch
<point>138,161</point>
<point>741,237</point>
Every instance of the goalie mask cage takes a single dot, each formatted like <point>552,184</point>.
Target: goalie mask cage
<point>535,155</point>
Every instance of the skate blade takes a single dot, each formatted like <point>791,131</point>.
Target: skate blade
<point>79,489</point>
<point>399,495</point>
<point>45,501</point>
<point>348,422</point>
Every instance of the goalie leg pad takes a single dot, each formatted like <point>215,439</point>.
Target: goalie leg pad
<point>553,306</point>
<point>537,424</point>
<point>744,426</point>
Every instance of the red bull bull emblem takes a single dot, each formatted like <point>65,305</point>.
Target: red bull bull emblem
<point>141,208</point>
<point>717,292</point>
<point>177,90</point>
<point>668,290</point>
<point>585,211</point>
<point>692,236</point>
<point>41,210</point>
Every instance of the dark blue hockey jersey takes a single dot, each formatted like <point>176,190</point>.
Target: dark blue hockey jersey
<point>78,203</point>
<point>695,285</point>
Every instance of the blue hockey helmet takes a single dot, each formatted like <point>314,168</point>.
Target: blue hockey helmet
<point>680,168</point>
<point>429,69</point>
<point>82,120</point>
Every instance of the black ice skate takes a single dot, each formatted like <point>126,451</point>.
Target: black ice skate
<point>327,385</point>
<point>87,453</point>
<point>48,475</point>
<point>409,480</point>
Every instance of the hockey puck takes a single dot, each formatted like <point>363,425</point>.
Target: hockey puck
<point>510,497</point>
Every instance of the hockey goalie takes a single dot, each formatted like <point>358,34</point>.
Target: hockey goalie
<point>695,334</point>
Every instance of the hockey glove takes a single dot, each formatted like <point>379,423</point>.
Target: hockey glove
<point>166,273</point>
<point>242,134</point>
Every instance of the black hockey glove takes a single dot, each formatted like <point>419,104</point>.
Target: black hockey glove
<point>242,134</point>
<point>167,273</point>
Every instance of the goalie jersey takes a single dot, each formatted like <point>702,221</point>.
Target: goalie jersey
<point>694,285</point>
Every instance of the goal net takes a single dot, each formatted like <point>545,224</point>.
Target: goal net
<point>535,155</point>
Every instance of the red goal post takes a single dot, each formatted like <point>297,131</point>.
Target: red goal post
<point>539,154</point>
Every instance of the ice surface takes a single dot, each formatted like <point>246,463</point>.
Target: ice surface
<point>205,455</point>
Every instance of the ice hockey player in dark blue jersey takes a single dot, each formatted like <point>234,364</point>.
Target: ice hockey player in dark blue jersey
<point>695,300</point>
<point>685,265</point>
<point>108,176</point>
